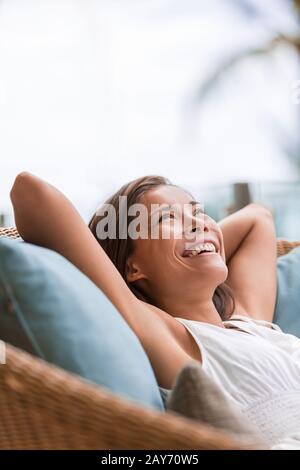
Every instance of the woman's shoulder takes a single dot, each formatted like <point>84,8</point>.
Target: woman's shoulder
<point>254,323</point>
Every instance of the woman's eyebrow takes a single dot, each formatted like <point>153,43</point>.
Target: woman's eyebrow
<point>196,203</point>
<point>162,207</point>
<point>165,206</point>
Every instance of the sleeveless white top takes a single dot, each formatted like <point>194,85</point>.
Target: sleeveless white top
<point>257,368</point>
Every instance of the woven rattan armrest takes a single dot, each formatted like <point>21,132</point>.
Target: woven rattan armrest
<point>44,407</point>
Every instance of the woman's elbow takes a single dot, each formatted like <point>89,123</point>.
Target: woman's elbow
<point>27,190</point>
<point>261,210</point>
<point>25,184</point>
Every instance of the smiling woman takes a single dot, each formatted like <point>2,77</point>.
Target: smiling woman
<point>158,277</point>
<point>183,322</point>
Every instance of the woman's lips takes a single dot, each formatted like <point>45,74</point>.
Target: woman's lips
<point>201,249</point>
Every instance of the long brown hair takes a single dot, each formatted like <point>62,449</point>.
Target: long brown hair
<point>119,249</point>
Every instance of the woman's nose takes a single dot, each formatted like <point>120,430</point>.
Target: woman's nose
<point>196,225</point>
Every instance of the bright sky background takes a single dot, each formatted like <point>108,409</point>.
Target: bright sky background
<point>94,93</point>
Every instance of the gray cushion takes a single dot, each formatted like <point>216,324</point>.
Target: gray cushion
<point>196,396</point>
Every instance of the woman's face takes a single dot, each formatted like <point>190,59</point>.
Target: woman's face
<point>168,266</point>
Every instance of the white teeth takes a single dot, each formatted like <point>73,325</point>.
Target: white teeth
<point>193,253</point>
<point>202,247</point>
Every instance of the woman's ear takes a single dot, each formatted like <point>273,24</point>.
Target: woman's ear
<point>133,271</point>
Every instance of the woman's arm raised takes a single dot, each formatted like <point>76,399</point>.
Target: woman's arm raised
<point>44,216</point>
<point>250,248</point>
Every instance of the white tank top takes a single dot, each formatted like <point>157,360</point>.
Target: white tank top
<point>259,369</point>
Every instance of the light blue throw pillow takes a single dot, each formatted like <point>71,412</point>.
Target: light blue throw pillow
<point>52,310</point>
<point>287,310</point>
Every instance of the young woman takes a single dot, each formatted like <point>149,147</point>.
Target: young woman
<point>184,303</point>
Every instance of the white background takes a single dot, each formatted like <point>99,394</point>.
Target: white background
<point>95,93</point>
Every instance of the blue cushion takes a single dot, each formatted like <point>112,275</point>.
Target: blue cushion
<point>287,310</point>
<point>50,309</point>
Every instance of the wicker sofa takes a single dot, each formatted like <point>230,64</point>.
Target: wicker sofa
<point>44,407</point>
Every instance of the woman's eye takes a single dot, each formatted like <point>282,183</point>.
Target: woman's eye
<point>199,211</point>
<point>165,216</point>
<point>169,215</point>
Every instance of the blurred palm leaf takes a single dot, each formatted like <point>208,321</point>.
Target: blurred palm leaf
<point>291,147</point>
<point>218,74</point>
<point>276,40</point>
